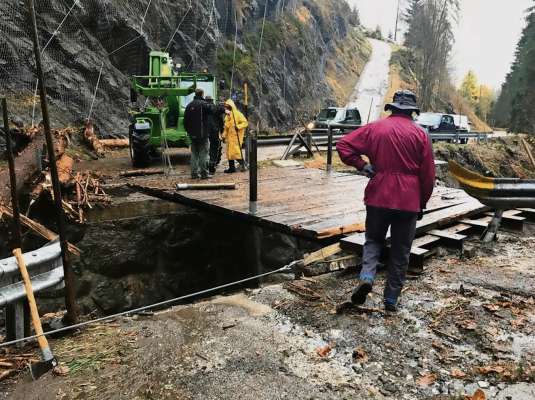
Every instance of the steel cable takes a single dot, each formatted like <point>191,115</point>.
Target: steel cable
<point>96,90</point>
<point>178,27</point>
<point>54,34</point>
<point>210,19</point>
<point>286,268</point>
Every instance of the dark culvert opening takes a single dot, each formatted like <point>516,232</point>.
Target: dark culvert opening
<point>146,250</point>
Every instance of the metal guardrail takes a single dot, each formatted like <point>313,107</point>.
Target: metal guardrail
<point>457,137</point>
<point>334,132</point>
<point>499,193</point>
<point>46,271</point>
<point>321,136</point>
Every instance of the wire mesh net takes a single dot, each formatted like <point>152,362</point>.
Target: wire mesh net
<point>90,48</point>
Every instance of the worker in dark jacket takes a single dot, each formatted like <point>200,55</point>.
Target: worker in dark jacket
<point>215,128</point>
<point>196,125</point>
<point>402,177</point>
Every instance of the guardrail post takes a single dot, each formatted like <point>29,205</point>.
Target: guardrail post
<point>308,138</point>
<point>70,297</point>
<point>15,317</point>
<point>330,149</point>
<point>253,173</point>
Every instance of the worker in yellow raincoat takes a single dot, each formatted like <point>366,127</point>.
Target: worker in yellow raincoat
<point>233,134</point>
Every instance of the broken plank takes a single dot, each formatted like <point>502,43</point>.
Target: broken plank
<point>322,254</point>
<point>341,230</point>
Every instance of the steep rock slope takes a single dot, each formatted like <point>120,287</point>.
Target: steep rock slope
<point>312,53</point>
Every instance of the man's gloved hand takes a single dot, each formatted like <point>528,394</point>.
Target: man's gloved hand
<point>369,170</point>
<point>420,215</point>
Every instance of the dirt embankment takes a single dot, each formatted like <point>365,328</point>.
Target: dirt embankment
<point>500,157</point>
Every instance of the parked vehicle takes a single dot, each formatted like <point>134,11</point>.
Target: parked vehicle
<point>461,122</point>
<point>338,115</point>
<point>437,123</point>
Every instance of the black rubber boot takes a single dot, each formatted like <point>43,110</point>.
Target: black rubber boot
<point>211,169</point>
<point>360,293</point>
<point>231,167</point>
<point>391,308</point>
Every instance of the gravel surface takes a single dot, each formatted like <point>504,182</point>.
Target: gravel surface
<point>466,324</point>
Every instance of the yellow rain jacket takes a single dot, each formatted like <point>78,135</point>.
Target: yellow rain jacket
<point>235,124</point>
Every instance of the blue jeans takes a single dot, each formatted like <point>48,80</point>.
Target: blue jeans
<point>402,226</point>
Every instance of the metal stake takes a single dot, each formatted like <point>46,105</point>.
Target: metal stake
<point>253,173</point>
<point>330,149</point>
<point>12,179</point>
<point>492,230</point>
<point>70,299</point>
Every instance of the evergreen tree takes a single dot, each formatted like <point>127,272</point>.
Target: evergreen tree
<point>514,107</point>
<point>430,36</point>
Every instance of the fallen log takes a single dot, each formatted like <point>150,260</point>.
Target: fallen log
<point>39,229</point>
<point>205,186</point>
<point>65,165</point>
<point>115,142</point>
<point>528,151</point>
<point>61,143</point>
<point>141,172</point>
<point>92,139</point>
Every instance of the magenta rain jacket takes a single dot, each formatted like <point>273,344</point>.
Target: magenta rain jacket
<point>402,155</point>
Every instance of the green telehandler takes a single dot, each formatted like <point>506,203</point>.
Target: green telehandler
<point>159,123</point>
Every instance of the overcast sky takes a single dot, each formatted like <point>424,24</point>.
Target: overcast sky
<point>486,35</point>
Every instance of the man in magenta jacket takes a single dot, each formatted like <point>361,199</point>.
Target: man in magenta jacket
<point>402,177</point>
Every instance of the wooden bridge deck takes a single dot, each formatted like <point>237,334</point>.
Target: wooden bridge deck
<point>301,201</point>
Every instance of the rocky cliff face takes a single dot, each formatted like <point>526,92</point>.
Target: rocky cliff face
<point>312,53</point>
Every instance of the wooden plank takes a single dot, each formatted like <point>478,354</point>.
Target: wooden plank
<point>353,242</point>
<point>511,220</point>
<point>322,254</point>
<point>528,213</point>
<point>417,259</point>
<point>426,240</point>
<point>450,215</point>
<point>449,239</point>
<point>480,224</point>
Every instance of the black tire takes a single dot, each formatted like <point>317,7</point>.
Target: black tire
<point>140,148</point>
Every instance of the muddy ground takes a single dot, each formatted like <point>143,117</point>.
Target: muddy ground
<point>466,324</point>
